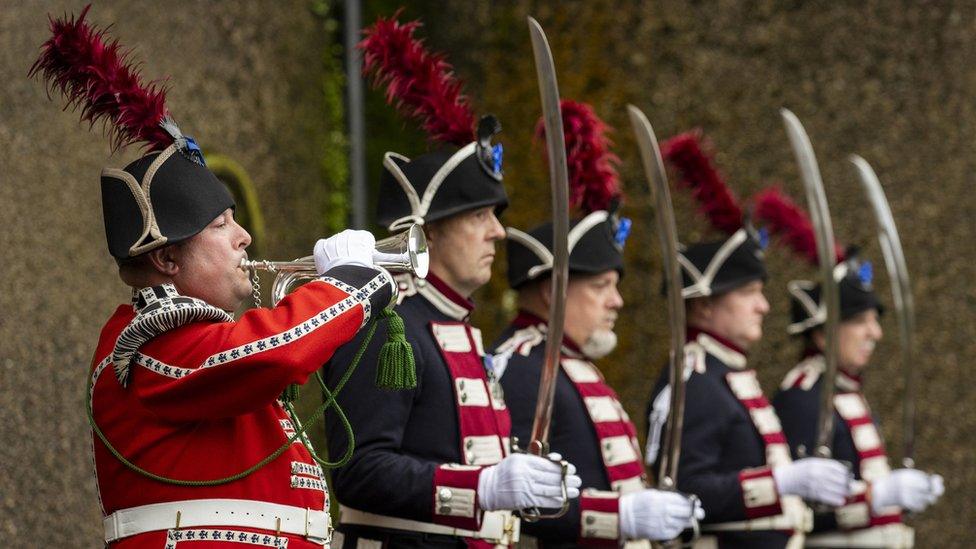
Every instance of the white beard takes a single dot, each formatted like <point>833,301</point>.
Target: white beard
<point>600,344</point>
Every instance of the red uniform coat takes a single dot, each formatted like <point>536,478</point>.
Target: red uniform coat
<point>200,403</point>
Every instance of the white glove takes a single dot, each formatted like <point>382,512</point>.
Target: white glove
<point>814,479</point>
<point>909,489</point>
<point>657,514</point>
<point>521,481</point>
<point>346,248</point>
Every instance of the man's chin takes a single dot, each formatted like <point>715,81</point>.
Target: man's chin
<point>600,344</point>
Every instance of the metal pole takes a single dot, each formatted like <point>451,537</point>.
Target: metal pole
<point>354,115</point>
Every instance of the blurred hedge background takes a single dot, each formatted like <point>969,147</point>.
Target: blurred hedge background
<point>261,84</point>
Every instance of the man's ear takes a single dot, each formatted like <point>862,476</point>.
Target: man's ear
<point>699,309</point>
<point>431,233</point>
<point>819,339</point>
<point>166,260</point>
<point>544,287</point>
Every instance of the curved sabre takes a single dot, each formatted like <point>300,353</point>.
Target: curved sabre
<point>667,233</point>
<point>827,254</point>
<point>901,293</point>
<point>559,181</point>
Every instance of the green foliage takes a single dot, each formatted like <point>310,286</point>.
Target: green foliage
<point>334,163</point>
<point>248,211</point>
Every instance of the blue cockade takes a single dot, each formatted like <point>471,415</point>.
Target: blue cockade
<point>497,153</point>
<point>194,150</point>
<point>623,231</point>
<point>866,273</point>
<point>763,238</point>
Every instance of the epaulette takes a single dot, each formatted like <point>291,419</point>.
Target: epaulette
<point>159,309</point>
<point>805,374</point>
<point>521,342</point>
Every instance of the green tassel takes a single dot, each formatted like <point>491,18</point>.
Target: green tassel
<point>396,369</point>
<point>290,394</point>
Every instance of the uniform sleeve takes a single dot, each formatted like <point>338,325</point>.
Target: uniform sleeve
<point>222,369</point>
<point>706,421</point>
<point>380,478</point>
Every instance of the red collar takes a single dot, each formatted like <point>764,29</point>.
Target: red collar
<point>524,319</point>
<point>692,335</point>
<point>449,292</point>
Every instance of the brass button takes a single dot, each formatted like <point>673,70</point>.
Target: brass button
<point>469,444</point>
<point>444,510</point>
<point>445,494</point>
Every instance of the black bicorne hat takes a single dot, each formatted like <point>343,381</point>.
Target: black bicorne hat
<point>596,245</point>
<point>853,277</point>
<point>162,198</point>
<point>167,195</point>
<point>714,268</point>
<point>442,183</point>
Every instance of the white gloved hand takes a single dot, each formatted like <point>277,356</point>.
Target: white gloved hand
<point>346,248</point>
<point>657,514</point>
<point>814,479</point>
<point>910,489</point>
<point>521,481</point>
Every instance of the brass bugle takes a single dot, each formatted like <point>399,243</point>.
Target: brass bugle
<point>404,252</point>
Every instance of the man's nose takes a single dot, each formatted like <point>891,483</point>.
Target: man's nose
<point>876,332</point>
<point>245,238</point>
<point>616,300</point>
<point>497,231</point>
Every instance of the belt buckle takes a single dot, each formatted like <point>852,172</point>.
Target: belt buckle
<point>508,532</point>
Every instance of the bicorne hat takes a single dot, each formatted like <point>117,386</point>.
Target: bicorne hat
<point>464,172</point>
<point>596,239</point>
<point>854,278</point>
<point>164,197</point>
<point>714,267</point>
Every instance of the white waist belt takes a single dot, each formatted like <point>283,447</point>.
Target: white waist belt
<point>500,527</point>
<point>274,517</point>
<point>887,536</point>
<point>795,516</point>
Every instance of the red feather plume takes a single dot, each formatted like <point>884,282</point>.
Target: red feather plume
<point>790,222</point>
<point>593,180</point>
<point>95,75</point>
<point>715,199</point>
<point>419,83</point>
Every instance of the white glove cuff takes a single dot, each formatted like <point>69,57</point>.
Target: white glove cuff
<point>625,512</point>
<point>486,481</point>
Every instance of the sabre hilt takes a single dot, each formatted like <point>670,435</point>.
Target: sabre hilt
<point>667,483</point>
<point>541,449</point>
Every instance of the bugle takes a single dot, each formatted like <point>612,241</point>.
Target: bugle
<point>404,252</point>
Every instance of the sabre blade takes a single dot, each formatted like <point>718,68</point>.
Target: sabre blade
<point>901,293</point>
<point>667,233</point>
<point>827,254</point>
<point>559,181</point>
